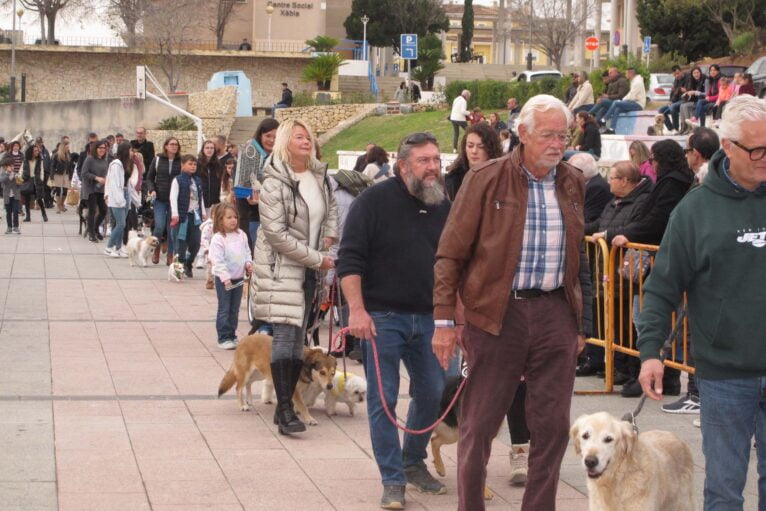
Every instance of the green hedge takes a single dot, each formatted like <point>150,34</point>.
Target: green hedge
<point>492,94</point>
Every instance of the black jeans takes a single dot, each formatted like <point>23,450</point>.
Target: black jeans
<point>131,223</point>
<point>517,416</point>
<point>192,241</point>
<point>456,125</point>
<point>12,212</point>
<point>95,201</point>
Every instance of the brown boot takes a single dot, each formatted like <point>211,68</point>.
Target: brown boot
<point>169,259</point>
<point>209,284</point>
<point>156,255</point>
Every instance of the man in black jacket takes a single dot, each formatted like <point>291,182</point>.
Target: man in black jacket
<point>285,102</point>
<point>145,147</point>
<point>385,263</point>
<point>672,109</point>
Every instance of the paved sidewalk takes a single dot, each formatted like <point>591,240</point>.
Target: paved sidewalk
<point>108,378</point>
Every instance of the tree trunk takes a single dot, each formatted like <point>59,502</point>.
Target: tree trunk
<point>51,15</point>
<point>43,39</point>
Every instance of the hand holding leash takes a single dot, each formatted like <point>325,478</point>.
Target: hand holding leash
<point>651,378</point>
<point>361,325</point>
<point>174,221</point>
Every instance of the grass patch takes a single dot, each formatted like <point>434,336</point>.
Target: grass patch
<point>387,131</point>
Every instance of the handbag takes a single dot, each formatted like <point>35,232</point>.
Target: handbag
<point>72,197</point>
<point>635,265</point>
<point>27,188</point>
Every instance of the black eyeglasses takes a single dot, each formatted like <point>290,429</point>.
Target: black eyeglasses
<point>755,153</point>
<point>419,138</point>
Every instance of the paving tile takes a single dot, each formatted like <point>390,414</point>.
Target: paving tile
<point>191,492</point>
<point>155,412</point>
<point>28,494</point>
<point>86,408</point>
<point>164,441</point>
<point>180,469</point>
<point>110,501</point>
<point>25,298</point>
<point>66,297</point>
<point>143,382</point>
<point>87,375</point>
<point>98,476</point>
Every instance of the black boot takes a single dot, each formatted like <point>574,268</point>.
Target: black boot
<point>28,217</point>
<point>284,384</point>
<point>41,204</point>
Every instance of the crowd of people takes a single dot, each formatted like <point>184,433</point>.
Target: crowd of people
<point>494,272</point>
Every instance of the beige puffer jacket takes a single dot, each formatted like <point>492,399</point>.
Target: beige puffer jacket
<point>282,251</point>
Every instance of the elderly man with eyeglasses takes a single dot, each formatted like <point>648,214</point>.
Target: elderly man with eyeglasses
<point>385,263</point>
<point>714,249</point>
<point>513,250</point>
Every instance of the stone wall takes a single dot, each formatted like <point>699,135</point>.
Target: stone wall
<point>187,139</point>
<point>216,108</point>
<point>72,73</point>
<point>323,118</point>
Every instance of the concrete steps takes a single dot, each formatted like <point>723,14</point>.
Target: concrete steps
<point>244,128</point>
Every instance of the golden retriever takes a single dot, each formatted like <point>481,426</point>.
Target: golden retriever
<point>252,362</point>
<point>630,472</point>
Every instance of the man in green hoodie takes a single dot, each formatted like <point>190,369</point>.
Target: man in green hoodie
<point>714,249</point>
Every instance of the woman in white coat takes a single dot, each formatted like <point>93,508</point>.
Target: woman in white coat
<point>116,195</point>
<point>298,225</point>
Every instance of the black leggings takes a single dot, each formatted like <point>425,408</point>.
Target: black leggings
<point>517,416</point>
<point>456,125</point>
<point>131,223</point>
<point>28,198</point>
<point>95,200</point>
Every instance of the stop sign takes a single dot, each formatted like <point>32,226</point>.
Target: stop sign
<point>591,43</point>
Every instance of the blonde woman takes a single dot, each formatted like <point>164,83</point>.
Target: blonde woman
<point>63,168</point>
<point>298,226</point>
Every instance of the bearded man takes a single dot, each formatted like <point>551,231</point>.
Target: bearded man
<point>385,263</point>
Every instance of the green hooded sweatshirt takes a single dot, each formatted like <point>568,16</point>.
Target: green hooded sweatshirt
<point>714,248</point>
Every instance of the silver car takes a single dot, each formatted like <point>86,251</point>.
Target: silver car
<point>660,85</point>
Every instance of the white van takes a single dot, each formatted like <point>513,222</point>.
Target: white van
<point>533,76</point>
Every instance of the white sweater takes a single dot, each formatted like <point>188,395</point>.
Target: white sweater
<point>459,109</point>
<point>637,91</point>
<point>584,96</point>
<point>114,189</point>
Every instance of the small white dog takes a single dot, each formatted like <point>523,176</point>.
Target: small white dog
<point>630,472</point>
<point>139,249</point>
<point>176,271</point>
<point>348,388</point>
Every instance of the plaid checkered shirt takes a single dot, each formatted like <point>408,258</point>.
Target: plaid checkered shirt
<point>541,263</point>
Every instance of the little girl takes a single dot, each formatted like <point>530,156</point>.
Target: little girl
<point>230,259</point>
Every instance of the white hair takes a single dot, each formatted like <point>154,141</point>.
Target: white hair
<point>740,109</point>
<point>465,93</point>
<point>538,104</point>
<point>585,162</point>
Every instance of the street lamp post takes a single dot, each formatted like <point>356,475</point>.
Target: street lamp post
<point>269,11</point>
<point>365,19</point>
<point>12,85</point>
<point>529,55</point>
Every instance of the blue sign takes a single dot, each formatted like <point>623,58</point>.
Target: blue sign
<point>409,46</point>
<point>647,44</point>
<point>616,37</point>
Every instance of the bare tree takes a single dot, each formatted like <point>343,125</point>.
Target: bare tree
<point>553,26</point>
<point>126,17</point>
<point>168,30</point>
<point>734,16</point>
<point>218,23</point>
<point>48,11</point>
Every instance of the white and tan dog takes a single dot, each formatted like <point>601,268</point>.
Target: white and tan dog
<point>347,388</point>
<point>176,271</point>
<point>140,249</point>
<point>631,472</point>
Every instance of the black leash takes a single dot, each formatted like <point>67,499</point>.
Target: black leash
<point>666,350</point>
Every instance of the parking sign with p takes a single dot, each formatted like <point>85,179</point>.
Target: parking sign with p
<point>409,46</point>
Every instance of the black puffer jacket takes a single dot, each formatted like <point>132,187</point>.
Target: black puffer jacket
<point>648,222</point>
<point>619,211</point>
<point>160,175</point>
<point>37,174</point>
<point>211,183</point>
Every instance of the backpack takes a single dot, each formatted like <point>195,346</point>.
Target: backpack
<point>351,181</point>
<point>383,172</point>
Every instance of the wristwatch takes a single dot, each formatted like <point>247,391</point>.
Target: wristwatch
<point>444,323</point>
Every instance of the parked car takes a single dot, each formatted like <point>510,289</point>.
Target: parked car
<point>660,85</point>
<point>758,70</point>
<point>533,76</point>
<point>726,69</point>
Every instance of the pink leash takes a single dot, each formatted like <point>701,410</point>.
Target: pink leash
<point>341,346</point>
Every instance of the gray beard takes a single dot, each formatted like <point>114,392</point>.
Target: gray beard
<point>428,195</point>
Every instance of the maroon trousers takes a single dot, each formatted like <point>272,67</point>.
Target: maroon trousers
<point>539,341</point>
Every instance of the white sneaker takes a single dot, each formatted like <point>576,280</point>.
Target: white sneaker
<point>696,422</point>
<point>108,251</point>
<point>227,345</point>
<point>519,458</point>
<point>123,253</point>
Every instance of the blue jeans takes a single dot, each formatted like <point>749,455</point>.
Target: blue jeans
<point>402,338</point>
<point>619,107</point>
<point>253,228</point>
<point>671,114</point>
<point>191,242</point>
<point>701,109</point>
<point>599,109</point>
<point>12,212</point>
<point>115,239</point>
<point>228,310</point>
<point>732,412</point>
<point>162,223</point>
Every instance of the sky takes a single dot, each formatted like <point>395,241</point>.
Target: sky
<point>88,26</point>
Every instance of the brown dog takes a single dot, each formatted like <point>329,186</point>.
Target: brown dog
<point>252,362</point>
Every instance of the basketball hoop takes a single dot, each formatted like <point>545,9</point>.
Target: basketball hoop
<point>127,101</point>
